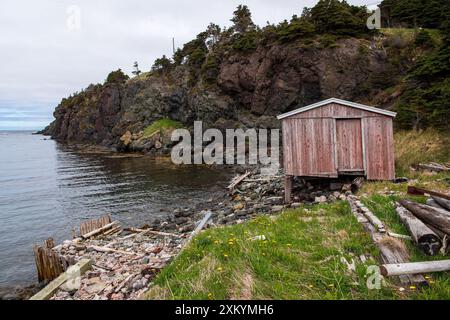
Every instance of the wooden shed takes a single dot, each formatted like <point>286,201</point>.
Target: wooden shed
<point>336,137</point>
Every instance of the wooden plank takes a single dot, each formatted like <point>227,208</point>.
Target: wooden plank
<point>308,147</point>
<point>79,268</point>
<point>392,250</point>
<point>414,268</point>
<point>349,145</point>
<point>421,191</point>
<point>237,180</point>
<point>379,144</point>
<point>99,230</point>
<point>200,226</point>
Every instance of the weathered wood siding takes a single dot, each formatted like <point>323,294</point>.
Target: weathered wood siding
<point>349,145</point>
<point>379,145</point>
<point>322,141</point>
<point>309,147</point>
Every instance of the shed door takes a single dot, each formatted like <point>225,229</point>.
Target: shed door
<point>349,145</point>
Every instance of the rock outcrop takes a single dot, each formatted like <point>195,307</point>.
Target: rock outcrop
<point>249,91</point>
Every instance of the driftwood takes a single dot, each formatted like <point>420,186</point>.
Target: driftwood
<point>414,268</point>
<point>399,236</point>
<point>93,224</point>
<point>355,185</point>
<point>424,237</point>
<point>444,237</point>
<point>438,218</point>
<point>433,166</point>
<point>432,203</point>
<point>124,283</point>
<point>109,250</point>
<point>201,225</point>
<point>421,191</point>
<point>237,180</point>
<point>371,217</point>
<point>444,203</point>
<point>112,231</point>
<point>162,234</point>
<point>135,230</point>
<point>392,250</point>
<point>99,230</point>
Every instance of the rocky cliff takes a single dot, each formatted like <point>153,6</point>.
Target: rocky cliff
<point>247,90</point>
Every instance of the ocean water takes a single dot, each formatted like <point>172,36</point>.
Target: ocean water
<point>47,188</point>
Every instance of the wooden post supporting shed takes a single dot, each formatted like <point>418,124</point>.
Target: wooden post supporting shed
<point>334,138</point>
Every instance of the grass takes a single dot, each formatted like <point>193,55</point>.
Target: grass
<point>412,147</point>
<point>301,256</point>
<point>384,208</point>
<point>161,125</point>
<point>409,34</point>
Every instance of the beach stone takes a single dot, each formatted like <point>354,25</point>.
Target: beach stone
<point>321,199</point>
<point>277,208</point>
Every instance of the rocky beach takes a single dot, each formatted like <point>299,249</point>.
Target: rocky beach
<point>125,260</point>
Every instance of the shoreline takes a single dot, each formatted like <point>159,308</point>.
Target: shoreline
<point>125,263</point>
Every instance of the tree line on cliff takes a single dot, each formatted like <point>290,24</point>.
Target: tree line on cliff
<point>425,93</point>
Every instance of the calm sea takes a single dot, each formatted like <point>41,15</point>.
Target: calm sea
<point>47,188</point>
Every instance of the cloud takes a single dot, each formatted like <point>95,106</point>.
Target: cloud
<point>43,60</point>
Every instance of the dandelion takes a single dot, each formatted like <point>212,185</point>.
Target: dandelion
<point>431,282</point>
<point>210,296</point>
<point>220,269</point>
<point>331,285</point>
<point>225,255</point>
<point>412,287</point>
<point>310,286</point>
<point>216,242</point>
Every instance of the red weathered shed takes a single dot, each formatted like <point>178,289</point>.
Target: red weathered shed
<point>336,137</point>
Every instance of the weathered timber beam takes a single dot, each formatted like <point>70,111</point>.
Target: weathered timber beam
<point>414,268</point>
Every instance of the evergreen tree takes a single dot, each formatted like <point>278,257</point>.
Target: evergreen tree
<point>116,77</point>
<point>136,70</point>
<point>336,17</point>
<point>242,19</point>
<point>161,64</point>
<point>426,101</point>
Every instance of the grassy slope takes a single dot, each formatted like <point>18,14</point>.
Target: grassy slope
<point>161,125</point>
<point>300,259</point>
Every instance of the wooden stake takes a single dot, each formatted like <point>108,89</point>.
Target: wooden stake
<point>288,189</point>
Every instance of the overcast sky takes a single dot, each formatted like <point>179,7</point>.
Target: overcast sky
<point>52,48</point>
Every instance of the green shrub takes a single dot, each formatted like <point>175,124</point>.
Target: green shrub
<point>423,39</point>
<point>116,77</point>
